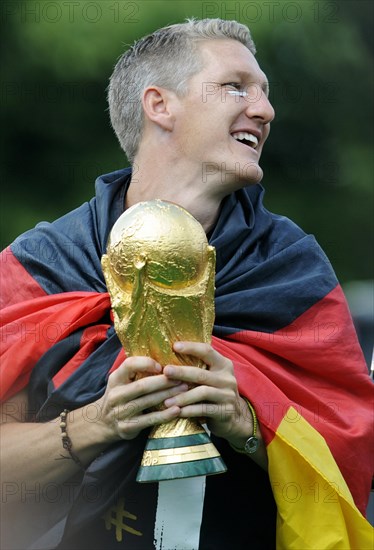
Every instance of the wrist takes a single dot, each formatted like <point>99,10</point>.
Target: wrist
<point>102,430</point>
<point>66,441</point>
<point>248,442</point>
<point>88,431</point>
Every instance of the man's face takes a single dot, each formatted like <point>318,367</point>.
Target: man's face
<point>224,120</point>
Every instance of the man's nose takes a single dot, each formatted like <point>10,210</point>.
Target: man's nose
<point>259,105</point>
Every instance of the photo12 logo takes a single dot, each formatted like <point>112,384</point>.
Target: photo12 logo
<point>70,11</point>
<point>290,12</point>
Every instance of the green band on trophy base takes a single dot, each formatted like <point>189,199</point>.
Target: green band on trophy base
<point>208,466</point>
<point>179,457</point>
<point>180,441</point>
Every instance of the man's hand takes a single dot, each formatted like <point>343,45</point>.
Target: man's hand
<point>213,393</point>
<point>127,400</point>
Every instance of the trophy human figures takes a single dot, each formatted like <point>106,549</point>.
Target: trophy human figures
<point>159,271</point>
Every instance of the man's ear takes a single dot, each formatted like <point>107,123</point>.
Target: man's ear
<point>157,106</point>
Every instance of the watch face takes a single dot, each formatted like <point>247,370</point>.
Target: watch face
<point>251,445</point>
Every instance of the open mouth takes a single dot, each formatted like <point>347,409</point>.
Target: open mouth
<point>246,138</point>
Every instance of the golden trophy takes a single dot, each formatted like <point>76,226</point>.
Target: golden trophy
<point>159,271</point>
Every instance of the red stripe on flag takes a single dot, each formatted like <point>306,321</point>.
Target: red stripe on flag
<point>30,328</point>
<point>16,284</point>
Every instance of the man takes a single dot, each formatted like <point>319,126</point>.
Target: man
<point>189,105</point>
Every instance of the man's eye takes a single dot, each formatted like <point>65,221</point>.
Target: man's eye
<point>237,89</point>
<point>235,85</point>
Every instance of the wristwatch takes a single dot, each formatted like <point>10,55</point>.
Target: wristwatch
<point>251,445</point>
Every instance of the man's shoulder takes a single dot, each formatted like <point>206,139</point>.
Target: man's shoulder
<point>65,254</point>
<point>91,220</point>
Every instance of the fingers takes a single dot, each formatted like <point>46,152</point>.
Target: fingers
<point>151,390</point>
<point>213,392</point>
<point>141,394</point>
<point>202,395</point>
<point>133,366</point>
<point>128,405</point>
<point>130,426</point>
<point>137,386</point>
<point>134,408</point>
<point>219,374</point>
<point>202,351</point>
<point>143,397</point>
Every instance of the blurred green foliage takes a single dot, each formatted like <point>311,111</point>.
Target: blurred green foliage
<point>56,61</point>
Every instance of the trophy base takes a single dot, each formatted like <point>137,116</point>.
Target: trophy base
<point>181,456</point>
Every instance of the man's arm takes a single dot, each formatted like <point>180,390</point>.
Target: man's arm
<point>32,452</point>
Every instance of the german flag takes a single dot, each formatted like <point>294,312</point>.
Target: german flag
<point>281,317</point>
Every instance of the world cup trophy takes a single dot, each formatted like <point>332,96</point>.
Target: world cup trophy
<point>159,271</point>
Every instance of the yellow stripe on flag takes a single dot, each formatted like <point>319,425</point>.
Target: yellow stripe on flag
<point>315,507</point>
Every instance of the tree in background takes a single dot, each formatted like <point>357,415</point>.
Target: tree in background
<point>57,58</point>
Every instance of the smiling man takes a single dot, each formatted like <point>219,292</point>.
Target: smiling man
<point>289,412</point>
<point>207,137</point>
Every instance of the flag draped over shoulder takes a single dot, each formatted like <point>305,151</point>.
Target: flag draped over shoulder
<point>281,317</point>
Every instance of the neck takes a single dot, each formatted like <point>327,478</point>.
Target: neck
<point>170,182</point>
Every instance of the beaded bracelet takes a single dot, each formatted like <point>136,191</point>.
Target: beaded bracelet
<point>66,441</point>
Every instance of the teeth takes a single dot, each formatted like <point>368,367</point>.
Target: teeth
<point>247,136</point>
